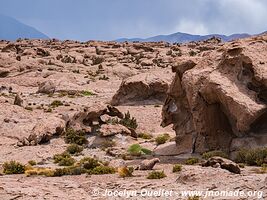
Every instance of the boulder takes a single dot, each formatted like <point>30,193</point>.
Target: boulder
<point>18,100</point>
<point>43,131</point>
<point>113,129</point>
<point>139,88</point>
<point>148,164</point>
<point>47,87</point>
<point>217,98</point>
<point>223,163</point>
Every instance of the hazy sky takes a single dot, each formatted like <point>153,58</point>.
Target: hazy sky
<point>113,19</point>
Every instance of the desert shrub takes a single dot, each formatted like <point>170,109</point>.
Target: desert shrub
<point>161,139</point>
<point>138,150</point>
<point>74,149</point>
<point>97,60</point>
<point>64,159</point>
<point>56,103</point>
<point>176,168</point>
<point>72,170</point>
<point>32,162</point>
<point>87,93</point>
<point>251,157</point>
<point>102,170</point>
<point>145,136</point>
<point>191,161</point>
<point>156,175</point>
<point>40,171</point>
<point>125,171</point>
<point>192,53</point>
<point>89,163</point>
<point>128,121</point>
<point>75,137</point>
<point>13,167</point>
<point>210,154</point>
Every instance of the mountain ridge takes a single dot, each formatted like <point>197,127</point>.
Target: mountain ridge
<point>184,37</point>
<point>12,29</point>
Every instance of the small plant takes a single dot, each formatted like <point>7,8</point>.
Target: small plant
<point>89,163</point>
<point>176,168</point>
<point>64,159</point>
<point>191,161</point>
<point>156,175</point>
<point>194,198</point>
<point>163,138</point>
<point>125,171</point>
<point>253,157</point>
<point>13,167</point>
<point>192,53</point>
<point>72,170</point>
<point>102,170</point>
<point>74,149</point>
<point>56,103</point>
<point>210,154</point>
<point>128,121</point>
<point>137,150</point>
<point>145,136</point>
<point>75,137</point>
<point>87,93</point>
<point>32,162</point>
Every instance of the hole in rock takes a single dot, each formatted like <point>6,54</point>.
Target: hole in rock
<point>259,126</point>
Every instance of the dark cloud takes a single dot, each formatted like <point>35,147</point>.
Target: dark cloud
<point>111,19</point>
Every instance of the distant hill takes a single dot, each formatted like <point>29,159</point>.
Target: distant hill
<point>11,29</point>
<point>183,37</point>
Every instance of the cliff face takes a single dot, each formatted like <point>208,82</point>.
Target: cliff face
<point>218,101</point>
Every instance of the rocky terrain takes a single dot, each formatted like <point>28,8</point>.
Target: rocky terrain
<point>116,102</point>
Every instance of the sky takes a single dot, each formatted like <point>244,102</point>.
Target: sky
<point>112,19</point>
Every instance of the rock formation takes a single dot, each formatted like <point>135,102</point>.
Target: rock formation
<point>218,101</point>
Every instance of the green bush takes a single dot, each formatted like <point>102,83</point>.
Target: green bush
<point>138,150</point>
<point>163,138</point>
<point>191,161</point>
<point>87,93</point>
<point>75,137</point>
<point>156,175</point>
<point>253,157</point>
<point>56,103</point>
<point>145,136</point>
<point>128,121</point>
<point>192,53</point>
<point>210,154</point>
<point>13,167</point>
<point>102,170</point>
<point>64,159</point>
<point>73,170</point>
<point>89,163</point>
<point>74,149</point>
<point>176,168</point>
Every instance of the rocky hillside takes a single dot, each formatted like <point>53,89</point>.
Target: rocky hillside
<point>78,119</point>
